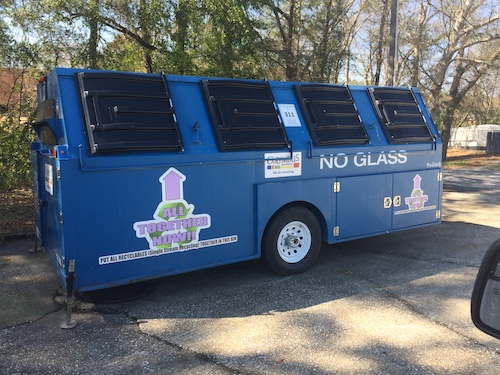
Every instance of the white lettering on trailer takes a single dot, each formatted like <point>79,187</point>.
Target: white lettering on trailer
<point>434,165</point>
<point>141,254</point>
<point>362,159</point>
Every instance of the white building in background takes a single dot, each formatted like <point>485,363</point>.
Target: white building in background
<point>472,136</point>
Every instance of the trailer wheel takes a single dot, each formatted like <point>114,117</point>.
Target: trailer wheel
<point>292,241</point>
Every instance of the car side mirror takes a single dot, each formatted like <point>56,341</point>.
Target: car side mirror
<point>485,301</point>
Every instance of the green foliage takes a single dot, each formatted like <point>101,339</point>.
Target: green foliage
<point>230,47</point>
<point>5,43</point>
<point>15,138</point>
<point>15,132</point>
<point>122,54</point>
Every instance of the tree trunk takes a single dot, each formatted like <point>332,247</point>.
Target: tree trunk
<point>380,45</point>
<point>146,35</point>
<point>417,43</point>
<point>291,63</point>
<point>393,44</point>
<point>286,23</point>
<point>93,35</point>
<point>458,90</point>
<point>322,67</point>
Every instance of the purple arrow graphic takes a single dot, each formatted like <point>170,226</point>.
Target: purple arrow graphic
<point>172,181</point>
<point>416,182</point>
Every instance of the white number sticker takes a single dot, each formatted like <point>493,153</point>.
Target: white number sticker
<point>289,115</point>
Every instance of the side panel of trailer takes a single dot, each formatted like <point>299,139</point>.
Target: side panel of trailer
<point>139,176</point>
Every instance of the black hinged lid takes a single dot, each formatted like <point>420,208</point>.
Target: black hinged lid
<point>244,115</point>
<point>331,115</point>
<point>402,119</point>
<point>127,112</point>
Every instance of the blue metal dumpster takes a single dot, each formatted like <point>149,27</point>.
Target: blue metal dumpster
<point>139,176</point>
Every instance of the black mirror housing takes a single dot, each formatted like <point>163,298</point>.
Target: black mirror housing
<point>485,300</point>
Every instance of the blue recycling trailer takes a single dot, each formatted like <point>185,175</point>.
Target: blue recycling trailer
<point>139,176</point>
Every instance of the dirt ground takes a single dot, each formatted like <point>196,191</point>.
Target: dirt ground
<point>16,212</point>
<point>16,207</point>
<point>463,158</point>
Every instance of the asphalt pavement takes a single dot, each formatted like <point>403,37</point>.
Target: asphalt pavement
<point>392,304</point>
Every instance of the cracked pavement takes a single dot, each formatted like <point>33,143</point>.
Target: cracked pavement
<point>392,304</point>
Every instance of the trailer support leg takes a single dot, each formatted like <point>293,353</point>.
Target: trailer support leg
<point>69,322</point>
<point>35,249</point>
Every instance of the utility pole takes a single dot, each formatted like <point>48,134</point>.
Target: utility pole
<point>393,46</point>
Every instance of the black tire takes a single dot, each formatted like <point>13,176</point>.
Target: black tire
<point>292,241</point>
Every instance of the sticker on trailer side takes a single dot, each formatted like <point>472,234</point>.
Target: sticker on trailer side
<point>174,228</point>
<point>279,164</point>
<point>49,179</point>
<point>417,199</point>
<point>289,115</point>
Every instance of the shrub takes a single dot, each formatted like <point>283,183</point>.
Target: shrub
<point>16,136</point>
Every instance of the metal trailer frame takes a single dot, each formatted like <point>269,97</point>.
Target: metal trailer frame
<point>141,176</point>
